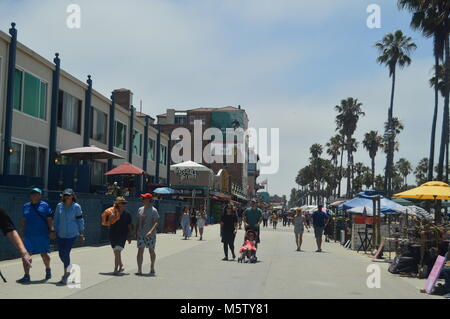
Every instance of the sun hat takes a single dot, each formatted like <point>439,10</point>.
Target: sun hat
<point>120,199</point>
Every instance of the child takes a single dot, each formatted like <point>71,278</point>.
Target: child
<point>248,249</point>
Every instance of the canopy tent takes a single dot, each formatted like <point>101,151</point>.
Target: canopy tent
<point>164,191</point>
<point>403,201</point>
<point>360,210</point>
<point>190,165</point>
<point>365,199</point>
<point>418,212</point>
<point>90,153</point>
<point>126,169</point>
<point>431,190</point>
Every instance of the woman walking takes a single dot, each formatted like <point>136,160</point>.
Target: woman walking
<point>193,216</point>
<point>201,222</point>
<point>299,228</point>
<point>228,224</point>
<point>69,225</point>
<point>274,219</point>
<point>120,228</point>
<point>185,221</point>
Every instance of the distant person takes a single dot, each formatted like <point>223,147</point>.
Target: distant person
<point>299,228</point>
<point>120,228</point>
<point>146,229</point>
<point>228,225</point>
<point>8,229</point>
<point>320,219</point>
<point>185,223</point>
<point>37,228</point>
<point>265,217</point>
<point>252,219</point>
<point>193,217</point>
<point>285,218</point>
<point>240,213</point>
<point>69,225</point>
<point>201,222</point>
<point>274,218</point>
<point>308,222</point>
<point>328,231</point>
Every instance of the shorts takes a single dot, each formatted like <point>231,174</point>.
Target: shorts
<point>37,244</point>
<point>146,242</point>
<point>117,248</point>
<point>318,232</point>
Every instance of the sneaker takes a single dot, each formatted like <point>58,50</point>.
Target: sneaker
<point>63,280</point>
<point>225,259</point>
<point>24,280</point>
<point>48,274</point>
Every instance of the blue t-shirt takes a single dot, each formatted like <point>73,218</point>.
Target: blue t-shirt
<point>36,218</point>
<point>319,218</point>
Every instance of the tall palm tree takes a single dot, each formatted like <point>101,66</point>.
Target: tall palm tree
<point>334,150</point>
<point>394,50</point>
<point>425,17</point>
<point>316,150</point>
<point>372,142</point>
<point>349,112</point>
<point>404,168</point>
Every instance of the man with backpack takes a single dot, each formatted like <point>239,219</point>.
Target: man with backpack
<point>36,230</point>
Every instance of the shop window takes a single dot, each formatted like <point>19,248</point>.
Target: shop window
<point>69,112</point>
<point>30,94</point>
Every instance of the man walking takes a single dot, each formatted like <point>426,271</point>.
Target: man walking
<point>320,219</point>
<point>253,219</point>
<point>146,227</point>
<point>37,229</point>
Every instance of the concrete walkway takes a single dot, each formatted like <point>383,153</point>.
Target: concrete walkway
<point>194,269</point>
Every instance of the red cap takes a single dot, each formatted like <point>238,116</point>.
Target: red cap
<point>147,195</point>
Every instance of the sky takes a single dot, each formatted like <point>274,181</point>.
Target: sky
<point>286,62</point>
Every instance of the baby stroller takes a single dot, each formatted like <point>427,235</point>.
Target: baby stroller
<point>248,250</point>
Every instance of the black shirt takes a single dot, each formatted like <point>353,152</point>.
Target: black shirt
<point>119,229</point>
<point>6,224</point>
<point>228,223</point>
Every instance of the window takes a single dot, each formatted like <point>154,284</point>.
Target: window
<point>69,112</point>
<point>98,171</point>
<point>28,160</point>
<point>163,155</point>
<point>193,118</point>
<point>99,121</point>
<point>151,149</point>
<point>121,136</point>
<point>137,143</point>
<point>180,120</point>
<point>30,94</point>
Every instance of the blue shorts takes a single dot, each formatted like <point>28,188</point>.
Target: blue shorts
<point>37,244</point>
<point>318,232</point>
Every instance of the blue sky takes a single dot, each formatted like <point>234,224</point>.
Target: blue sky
<point>287,62</point>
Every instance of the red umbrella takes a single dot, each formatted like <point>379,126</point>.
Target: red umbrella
<point>126,169</point>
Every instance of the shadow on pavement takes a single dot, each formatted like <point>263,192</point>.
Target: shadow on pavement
<point>113,275</point>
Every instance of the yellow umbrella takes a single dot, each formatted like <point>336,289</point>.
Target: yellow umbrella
<point>430,190</point>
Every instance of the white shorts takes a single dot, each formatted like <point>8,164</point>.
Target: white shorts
<point>118,248</point>
<point>201,223</point>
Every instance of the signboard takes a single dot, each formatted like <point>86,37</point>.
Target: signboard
<point>434,274</point>
<point>186,173</point>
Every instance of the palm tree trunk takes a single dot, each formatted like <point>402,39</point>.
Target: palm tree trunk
<point>445,121</point>
<point>340,172</point>
<point>349,169</point>
<point>390,155</point>
<point>373,171</point>
<point>433,126</point>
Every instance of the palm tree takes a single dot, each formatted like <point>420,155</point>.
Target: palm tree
<point>433,18</point>
<point>421,171</point>
<point>372,142</point>
<point>349,113</point>
<point>404,168</point>
<point>316,150</point>
<point>394,49</point>
<point>334,150</point>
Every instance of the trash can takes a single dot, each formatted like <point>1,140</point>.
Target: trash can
<point>170,222</point>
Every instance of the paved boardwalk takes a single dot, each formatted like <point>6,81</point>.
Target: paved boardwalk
<point>193,269</point>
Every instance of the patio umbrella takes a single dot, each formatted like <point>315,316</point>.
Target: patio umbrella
<point>90,153</point>
<point>126,169</point>
<point>164,191</point>
<point>360,210</point>
<point>431,190</point>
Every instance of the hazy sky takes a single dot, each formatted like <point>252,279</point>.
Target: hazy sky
<point>286,62</point>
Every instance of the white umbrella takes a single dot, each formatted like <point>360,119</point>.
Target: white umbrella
<point>90,153</point>
<point>361,209</point>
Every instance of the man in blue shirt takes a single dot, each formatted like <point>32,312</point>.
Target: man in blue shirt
<point>320,220</point>
<point>253,219</point>
<point>37,229</point>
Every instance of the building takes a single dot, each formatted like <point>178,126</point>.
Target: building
<point>45,110</point>
<point>220,118</point>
